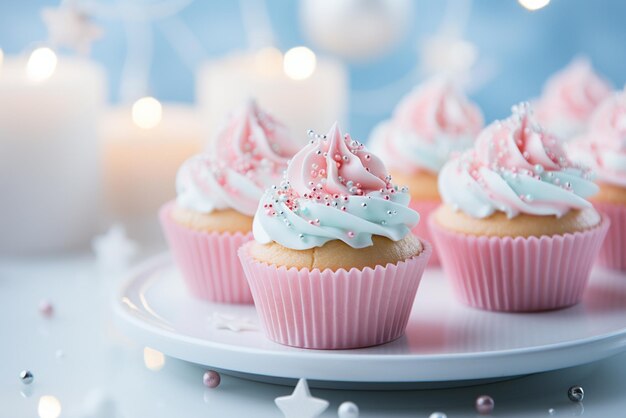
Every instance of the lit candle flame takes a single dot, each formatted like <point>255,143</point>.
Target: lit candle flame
<point>299,63</point>
<point>41,64</point>
<point>147,112</point>
<point>534,4</point>
<point>49,407</point>
<point>153,359</point>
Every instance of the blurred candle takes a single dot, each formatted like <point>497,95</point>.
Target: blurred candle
<point>302,90</point>
<point>144,145</point>
<point>49,172</point>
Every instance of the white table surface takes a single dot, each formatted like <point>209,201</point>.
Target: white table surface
<point>98,362</point>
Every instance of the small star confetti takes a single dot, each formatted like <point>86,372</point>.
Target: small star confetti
<point>232,323</point>
<point>113,249</point>
<point>300,404</point>
<point>70,27</point>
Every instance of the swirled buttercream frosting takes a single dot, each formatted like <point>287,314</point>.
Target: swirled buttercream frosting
<point>250,153</point>
<point>515,167</point>
<point>603,148</point>
<point>333,189</point>
<point>569,98</point>
<point>429,125</point>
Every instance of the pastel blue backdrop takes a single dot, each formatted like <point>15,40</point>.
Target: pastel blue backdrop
<point>526,47</point>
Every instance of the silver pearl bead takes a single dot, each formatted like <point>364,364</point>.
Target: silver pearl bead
<point>437,415</point>
<point>485,404</point>
<point>576,394</point>
<point>26,377</point>
<point>348,410</point>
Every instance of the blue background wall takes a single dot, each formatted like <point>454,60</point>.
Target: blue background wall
<point>526,47</point>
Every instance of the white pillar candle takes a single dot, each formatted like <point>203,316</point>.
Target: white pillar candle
<point>144,145</point>
<point>49,169</point>
<point>300,89</point>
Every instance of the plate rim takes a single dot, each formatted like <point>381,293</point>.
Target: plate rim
<point>614,341</point>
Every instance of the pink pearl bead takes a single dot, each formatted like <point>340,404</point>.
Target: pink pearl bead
<point>211,379</point>
<point>485,405</point>
<point>46,309</point>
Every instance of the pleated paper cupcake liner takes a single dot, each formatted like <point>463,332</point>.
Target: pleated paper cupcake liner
<point>613,252</point>
<point>519,274</point>
<point>208,261</point>
<point>334,309</point>
<point>422,230</point>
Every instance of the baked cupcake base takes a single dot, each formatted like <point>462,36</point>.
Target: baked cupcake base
<point>519,274</point>
<point>425,208</point>
<point>208,261</point>
<point>334,309</point>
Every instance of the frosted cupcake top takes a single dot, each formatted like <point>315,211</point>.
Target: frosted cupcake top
<point>515,167</point>
<point>250,153</point>
<point>604,146</point>
<point>432,122</point>
<point>569,98</point>
<point>334,189</point>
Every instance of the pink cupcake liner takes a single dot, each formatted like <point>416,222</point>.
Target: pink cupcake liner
<point>519,274</point>
<point>208,260</point>
<point>422,230</point>
<point>613,252</point>
<point>334,309</point>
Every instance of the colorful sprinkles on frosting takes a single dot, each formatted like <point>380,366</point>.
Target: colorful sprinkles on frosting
<point>340,190</point>
<point>250,152</point>
<point>516,166</point>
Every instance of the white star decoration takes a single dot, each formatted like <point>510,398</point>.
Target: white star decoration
<point>300,404</point>
<point>232,323</point>
<point>113,249</point>
<point>69,27</point>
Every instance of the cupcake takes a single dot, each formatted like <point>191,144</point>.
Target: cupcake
<point>516,231</point>
<point>603,148</point>
<point>432,123</point>
<point>217,195</point>
<point>333,264</point>
<point>569,98</point>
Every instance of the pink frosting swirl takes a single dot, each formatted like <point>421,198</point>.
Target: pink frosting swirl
<point>434,121</point>
<point>519,144</point>
<point>249,154</point>
<point>569,98</point>
<point>334,189</point>
<point>252,137</point>
<point>338,167</point>
<point>515,167</point>
<point>436,108</point>
<point>604,145</point>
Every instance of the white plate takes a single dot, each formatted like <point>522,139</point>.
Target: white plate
<point>444,341</point>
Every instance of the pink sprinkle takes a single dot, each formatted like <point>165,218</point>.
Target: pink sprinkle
<point>46,309</point>
<point>350,234</point>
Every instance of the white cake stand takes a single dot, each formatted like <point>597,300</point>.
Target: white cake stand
<point>445,342</point>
